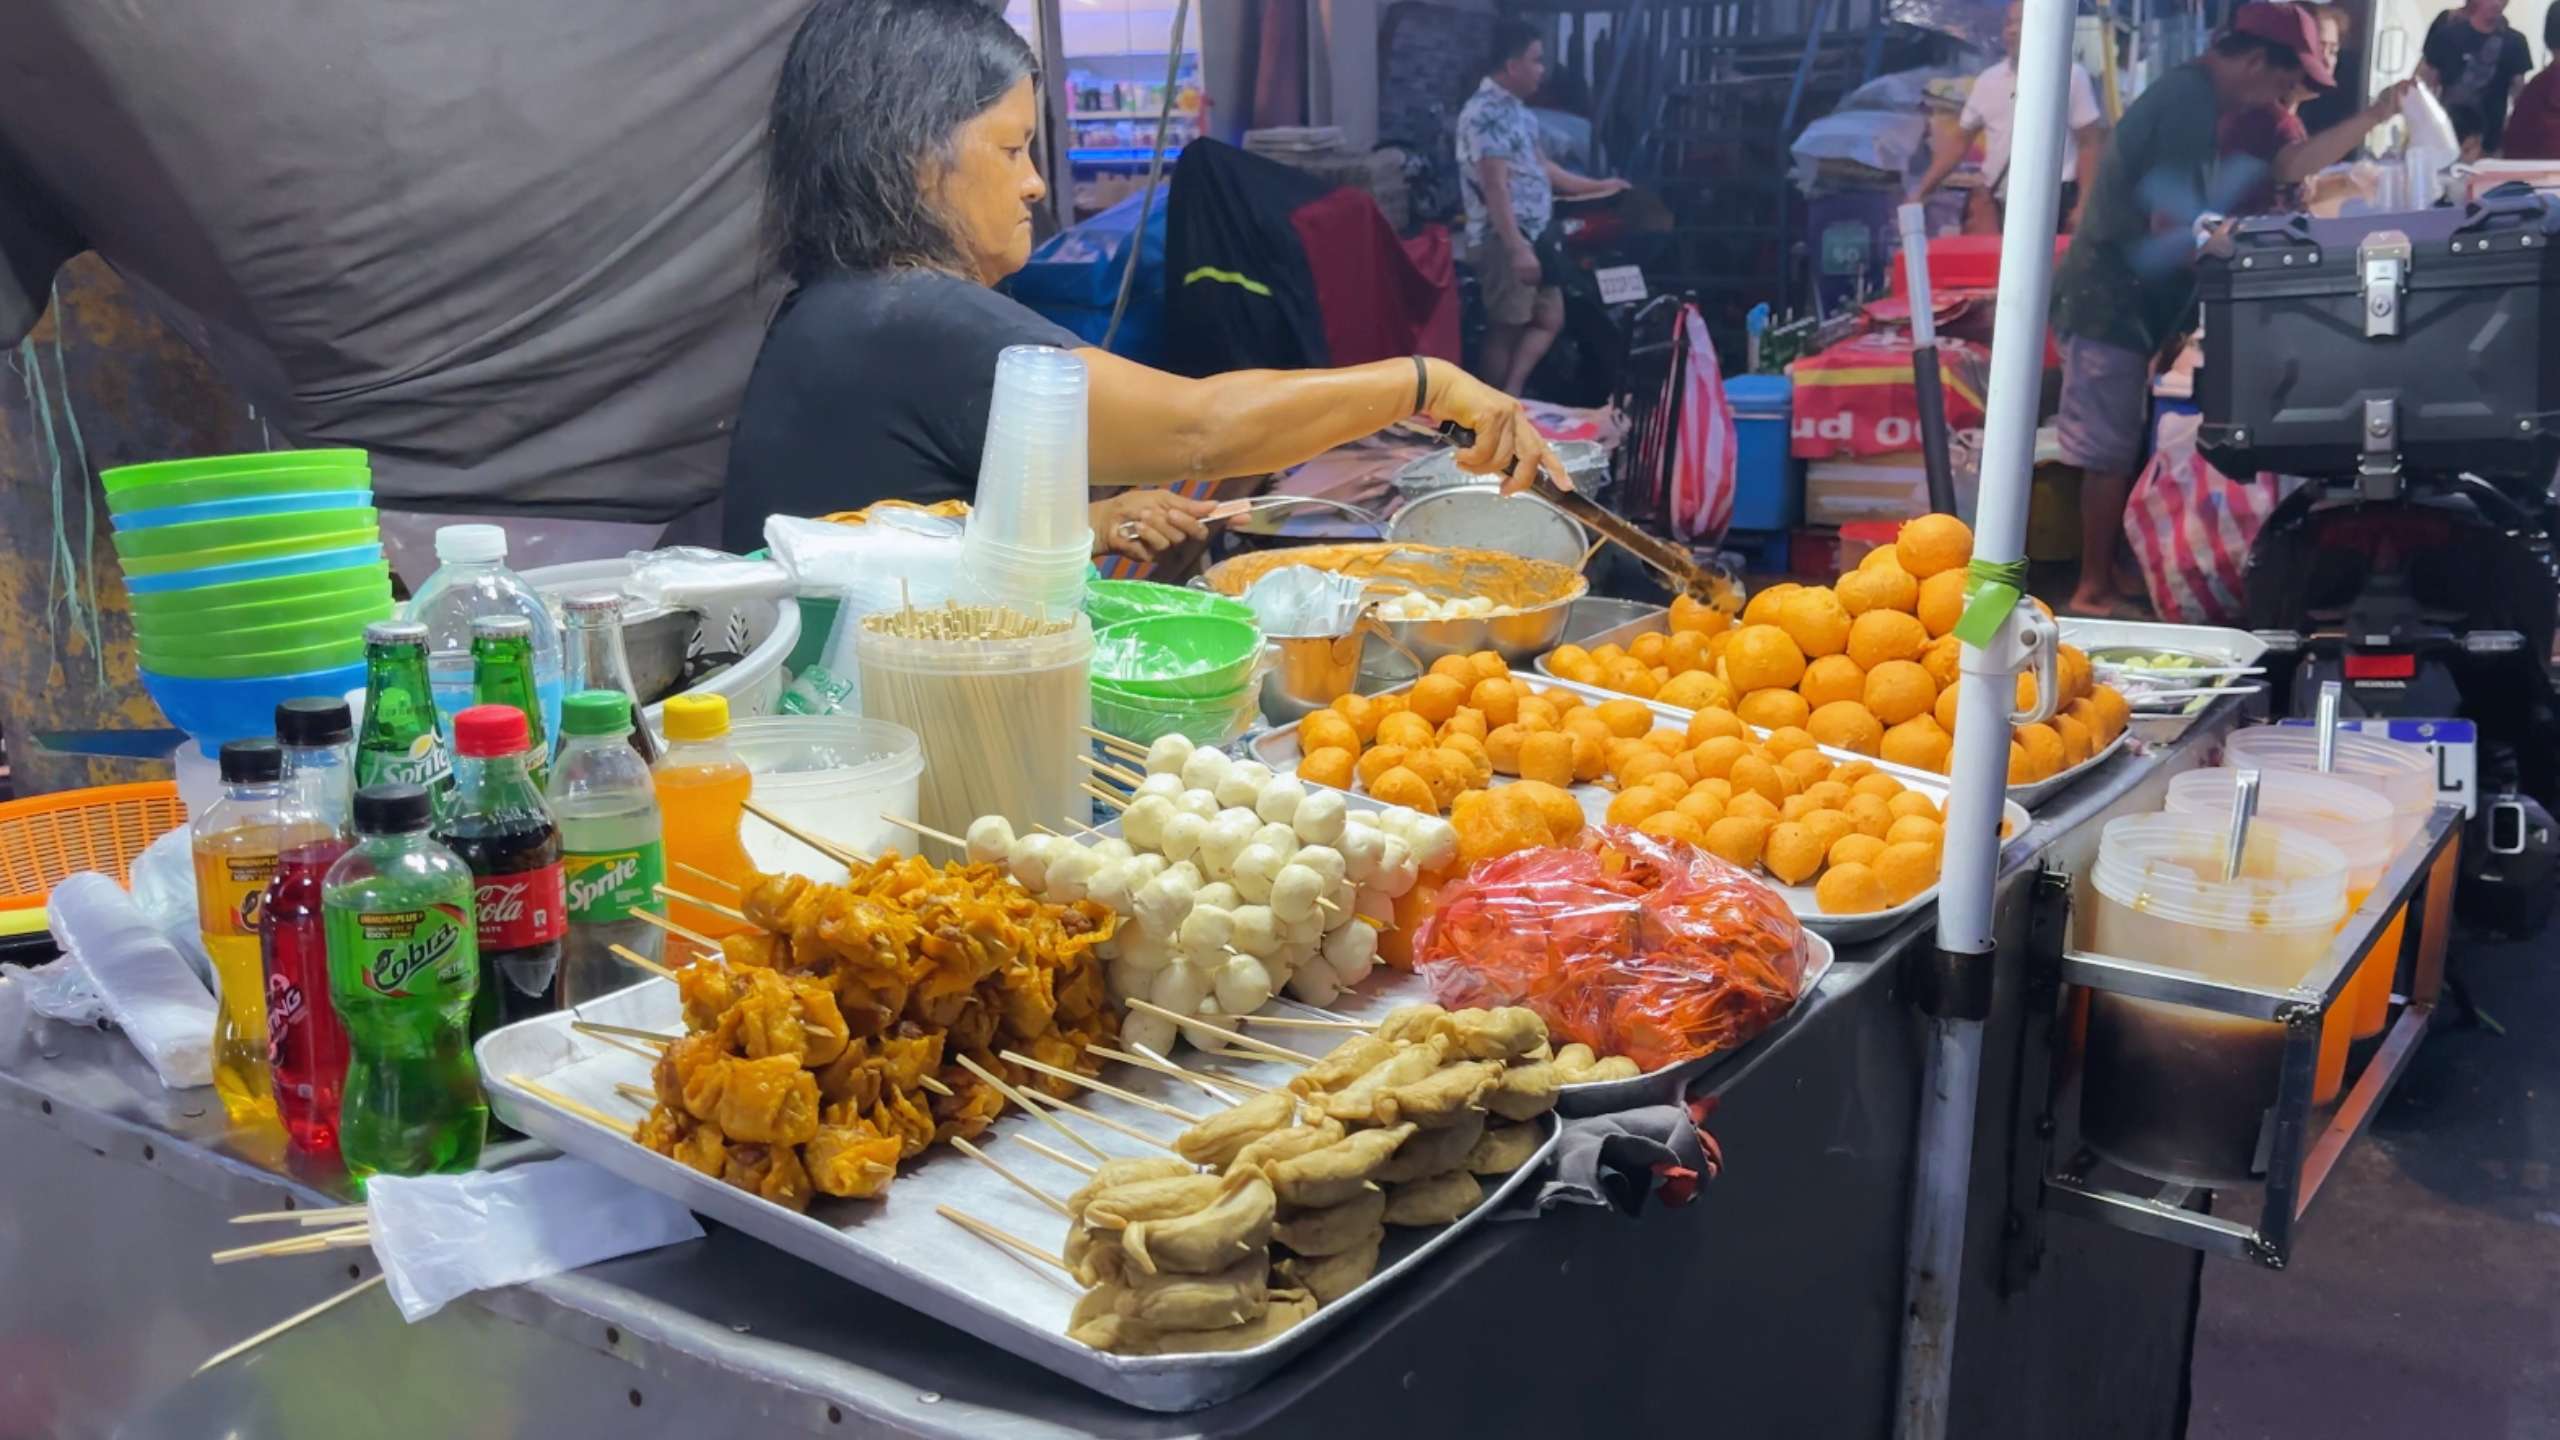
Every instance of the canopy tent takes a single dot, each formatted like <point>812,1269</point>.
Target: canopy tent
<point>511,250</point>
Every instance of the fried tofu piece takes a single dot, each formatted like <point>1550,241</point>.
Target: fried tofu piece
<point>1526,1092</point>
<point>1573,1063</point>
<point>1510,1033</point>
<point>1410,1023</point>
<point>1335,1173</point>
<point>1330,1277</point>
<point>1170,1301</point>
<point>1439,1098</point>
<point>1435,1200</point>
<point>1443,1148</point>
<point>1112,1174</point>
<point>853,1161</point>
<point>1287,1144</point>
<point>768,1102</point>
<point>1215,1142</point>
<point>1357,1102</point>
<point>1616,1067</point>
<point>1125,1205</point>
<point>1282,1311</point>
<point>1505,1148</point>
<point>1233,1227</point>
<point>1095,1256</point>
<point>1346,1062</point>
<point>1334,1228</point>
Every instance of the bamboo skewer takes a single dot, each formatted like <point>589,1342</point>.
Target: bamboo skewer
<point>1112,798</point>
<point>672,928</point>
<point>962,1145</point>
<point>1058,1156</point>
<point>991,1234</point>
<point>1293,1022</point>
<point>1211,1077</point>
<point>699,872</point>
<point>644,962</point>
<point>281,1326</point>
<point>579,1108</point>
<point>1164,1067</point>
<point>1050,830</point>
<point>1262,1047</point>
<point>645,1099</point>
<point>669,892</point>
<point>1110,771</point>
<point>936,1086</point>
<point>311,1244</point>
<point>306,1217</point>
<point>1016,1096</point>
<point>1105,1121</point>
<point>597,1027</point>
<point>926,831</point>
<point>1101,1088</point>
<point>618,1043</point>
<point>838,853</point>
<point>1117,745</point>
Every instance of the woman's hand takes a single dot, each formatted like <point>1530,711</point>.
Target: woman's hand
<point>1145,523</point>
<point>1506,443</point>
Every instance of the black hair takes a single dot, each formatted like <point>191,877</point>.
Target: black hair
<point>1511,40</point>
<point>2233,45</point>
<point>870,98</point>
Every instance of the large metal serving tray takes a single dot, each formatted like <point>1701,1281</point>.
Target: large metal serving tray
<point>897,1245</point>
<point>2031,795</point>
<point>1278,748</point>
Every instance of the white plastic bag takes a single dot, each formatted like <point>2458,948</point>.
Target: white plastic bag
<point>118,965</point>
<point>690,578</point>
<point>2432,147</point>
<point>441,1236</point>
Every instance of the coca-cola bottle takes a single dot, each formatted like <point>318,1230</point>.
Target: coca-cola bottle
<point>503,831</point>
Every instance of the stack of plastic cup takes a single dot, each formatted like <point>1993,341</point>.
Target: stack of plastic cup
<point>251,580</point>
<point>1029,540</point>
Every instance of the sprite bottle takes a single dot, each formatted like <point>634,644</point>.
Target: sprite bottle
<point>404,964</point>
<point>400,744</point>
<point>502,674</point>
<point>611,856</point>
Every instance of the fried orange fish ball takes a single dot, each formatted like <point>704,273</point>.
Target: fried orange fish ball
<point>1905,870</point>
<point>1849,890</point>
<point>1436,697</point>
<point>1547,755</point>
<point>1774,709</point>
<point>1401,786</point>
<point>1832,678</point>
<point>1498,698</point>
<point>1626,719</point>
<point>1502,747</point>
<point>1363,715</point>
<point>1855,849</point>
<point>1409,730</point>
<point>1912,828</point>
<point>1708,725</point>
<point>1829,827</point>
<point>1869,814</point>
<point>1804,768</point>
<point>1642,761</point>
<point>1752,805</point>
<point>1791,852</point>
<point>1377,762</point>
<point>1911,802</point>
<point>1633,807</point>
<point>1479,759</point>
<point>1488,664</point>
<point>1672,825</point>
<point>1918,743</point>
<point>1561,812</point>
<point>1736,840</point>
<point>1703,806</point>
<point>1878,784</point>
<point>1590,759</point>
<point>1756,774</point>
<point>1331,765</point>
<point>1326,730</point>
<point>1846,725</point>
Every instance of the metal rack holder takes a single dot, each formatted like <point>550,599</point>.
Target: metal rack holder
<point>2306,1140</point>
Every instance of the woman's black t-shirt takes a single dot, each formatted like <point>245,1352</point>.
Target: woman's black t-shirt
<point>870,386</point>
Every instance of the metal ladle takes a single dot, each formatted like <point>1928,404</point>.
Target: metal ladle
<point>2244,807</point>
<point>2330,694</point>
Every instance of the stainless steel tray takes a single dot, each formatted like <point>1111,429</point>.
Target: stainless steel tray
<point>1278,748</point>
<point>2214,643</point>
<point>2031,795</point>
<point>897,1245</point>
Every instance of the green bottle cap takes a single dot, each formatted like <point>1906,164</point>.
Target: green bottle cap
<point>596,712</point>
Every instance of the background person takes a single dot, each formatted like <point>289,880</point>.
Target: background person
<point>2533,123</point>
<point>1990,109</point>
<point>900,182</point>
<point>2274,136</point>
<point>2128,280</point>
<point>2473,57</point>
<point>1510,189</point>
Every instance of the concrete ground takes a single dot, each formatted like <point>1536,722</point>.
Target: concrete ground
<point>2424,1296</point>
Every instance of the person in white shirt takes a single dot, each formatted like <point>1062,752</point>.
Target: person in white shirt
<point>1990,112</point>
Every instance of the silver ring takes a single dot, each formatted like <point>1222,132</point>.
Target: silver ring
<point>1126,529</point>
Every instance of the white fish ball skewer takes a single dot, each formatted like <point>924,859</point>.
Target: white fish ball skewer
<point>1167,753</point>
<point>990,840</point>
<point>1278,800</point>
<point>1321,817</point>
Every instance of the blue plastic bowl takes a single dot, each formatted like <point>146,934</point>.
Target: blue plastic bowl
<point>214,711</point>
<point>253,570</point>
<point>236,509</point>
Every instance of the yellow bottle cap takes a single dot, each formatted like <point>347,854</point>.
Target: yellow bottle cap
<point>697,717</point>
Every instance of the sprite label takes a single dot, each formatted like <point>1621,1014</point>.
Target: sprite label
<point>607,885</point>
<point>425,764</point>
<point>421,953</point>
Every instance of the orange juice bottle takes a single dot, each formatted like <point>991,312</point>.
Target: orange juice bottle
<point>236,844</point>
<point>702,799</point>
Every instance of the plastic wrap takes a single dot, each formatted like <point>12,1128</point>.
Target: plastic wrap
<point>688,577</point>
<point>117,965</point>
<point>1632,945</point>
<point>443,1236</point>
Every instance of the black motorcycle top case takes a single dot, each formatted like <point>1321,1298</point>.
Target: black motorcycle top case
<point>2474,368</point>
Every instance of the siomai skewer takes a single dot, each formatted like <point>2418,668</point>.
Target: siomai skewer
<point>926,831</point>
<point>1056,1156</point>
<point>1100,1088</point>
<point>669,892</point>
<point>579,1108</point>
<point>1105,1121</point>
<point>985,1231</point>
<point>833,851</point>
<point>962,1145</point>
<point>678,931</point>
<point>644,962</point>
<point>1019,1099</point>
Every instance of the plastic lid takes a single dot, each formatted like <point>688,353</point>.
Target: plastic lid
<point>484,731</point>
<point>395,632</point>
<point>2352,817</point>
<point>596,712</point>
<point>471,544</point>
<point>696,717</point>
<point>393,809</point>
<point>2406,774</point>
<point>593,602</point>
<point>248,762</point>
<point>501,627</point>
<point>2168,867</point>
<point>315,720</point>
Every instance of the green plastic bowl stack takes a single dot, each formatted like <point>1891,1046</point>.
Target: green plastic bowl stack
<point>1172,665</point>
<point>250,567</point>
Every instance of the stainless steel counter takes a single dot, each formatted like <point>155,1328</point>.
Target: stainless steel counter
<point>1767,1307</point>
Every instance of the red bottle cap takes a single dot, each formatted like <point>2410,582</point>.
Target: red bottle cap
<point>484,731</point>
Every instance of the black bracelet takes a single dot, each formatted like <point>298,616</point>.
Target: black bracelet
<point>1421,384</point>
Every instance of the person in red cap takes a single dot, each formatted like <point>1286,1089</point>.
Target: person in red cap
<point>2274,137</point>
<point>2128,280</point>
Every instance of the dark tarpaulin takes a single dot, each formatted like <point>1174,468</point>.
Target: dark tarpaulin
<point>509,249</point>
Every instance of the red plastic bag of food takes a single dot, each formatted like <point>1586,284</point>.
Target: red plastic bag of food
<point>1630,944</point>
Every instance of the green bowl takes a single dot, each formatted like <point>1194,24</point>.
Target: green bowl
<point>198,661</point>
<point>1141,719</point>
<point>257,628</point>
<point>326,589</point>
<point>208,537</point>
<point>1109,602</point>
<point>244,554</point>
<point>161,472</point>
<point>135,499</point>
<point>1177,657</point>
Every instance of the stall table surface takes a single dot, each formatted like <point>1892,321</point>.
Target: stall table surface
<point>1770,1306</point>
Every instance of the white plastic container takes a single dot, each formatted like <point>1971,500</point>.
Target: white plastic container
<point>1002,723</point>
<point>834,776</point>
<point>2171,1091</point>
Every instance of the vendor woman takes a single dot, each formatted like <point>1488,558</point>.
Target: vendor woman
<point>900,184</point>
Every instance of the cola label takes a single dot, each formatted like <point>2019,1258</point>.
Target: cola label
<point>522,910</point>
<point>607,885</point>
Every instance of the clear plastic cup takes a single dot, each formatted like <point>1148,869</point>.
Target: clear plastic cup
<point>2172,1091</point>
<point>2361,824</point>
<point>1035,582</point>
<point>1032,484</point>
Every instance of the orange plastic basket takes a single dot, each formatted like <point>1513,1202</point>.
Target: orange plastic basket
<point>53,837</point>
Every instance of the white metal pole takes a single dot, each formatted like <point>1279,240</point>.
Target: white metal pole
<point>1979,768</point>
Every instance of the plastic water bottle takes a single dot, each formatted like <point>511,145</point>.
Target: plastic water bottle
<point>610,852</point>
<point>472,580</point>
